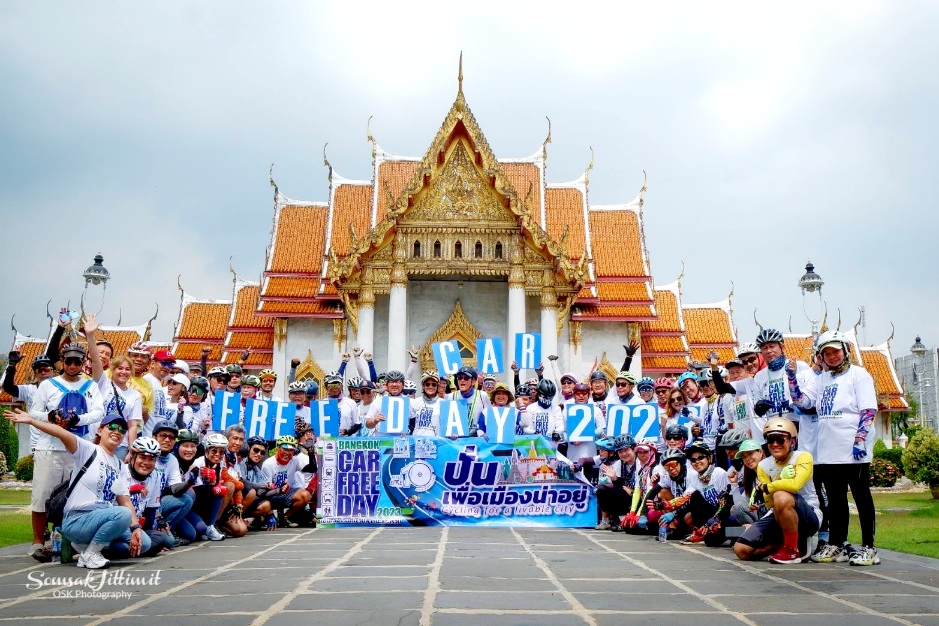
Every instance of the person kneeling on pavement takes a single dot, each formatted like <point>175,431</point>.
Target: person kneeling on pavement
<point>785,480</point>
<point>99,510</point>
<point>144,487</point>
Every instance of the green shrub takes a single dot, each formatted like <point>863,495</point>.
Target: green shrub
<point>921,457</point>
<point>883,473</point>
<point>9,441</point>
<point>894,455</point>
<point>24,469</point>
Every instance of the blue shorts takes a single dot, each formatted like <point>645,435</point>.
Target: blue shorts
<point>767,532</point>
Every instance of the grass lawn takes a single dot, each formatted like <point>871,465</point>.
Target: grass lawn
<point>14,528</point>
<point>14,496</point>
<point>907,522</point>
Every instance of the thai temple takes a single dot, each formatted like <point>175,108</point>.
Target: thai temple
<point>461,244</point>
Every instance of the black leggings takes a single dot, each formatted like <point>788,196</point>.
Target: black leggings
<point>837,478</point>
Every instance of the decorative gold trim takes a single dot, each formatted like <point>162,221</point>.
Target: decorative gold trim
<point>339,333</point>
<point>309,369</point>
<point>456,327</point>
<point>280,332</point>
<point>352,311</point>
<point>576,328</point>
<point>607,368</point>
<point>563,311</point>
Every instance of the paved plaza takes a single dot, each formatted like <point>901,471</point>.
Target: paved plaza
<point>471,576</point>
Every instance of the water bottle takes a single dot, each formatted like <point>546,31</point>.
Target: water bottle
<point>56,543</point>
<point>663,533</point>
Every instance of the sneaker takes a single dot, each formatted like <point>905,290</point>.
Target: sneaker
<point>180,542</point>
<point>212,534</point>
<point>697,536</point>
<point>603,525</point>
<point>828,554</point>
<point>865,555</point>
<point>92,560</point>
<point>40,552</point>
<point>786,556</point>
<point>847,551</point>
<point>284,522</point>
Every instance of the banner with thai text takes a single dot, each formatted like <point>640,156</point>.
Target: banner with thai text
<point>431,481</point>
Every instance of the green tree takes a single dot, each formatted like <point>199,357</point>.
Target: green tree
<point>9,441</point>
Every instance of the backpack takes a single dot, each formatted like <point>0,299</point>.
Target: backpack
<point>73,401</point>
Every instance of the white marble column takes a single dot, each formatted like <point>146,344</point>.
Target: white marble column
<point>397,328</point>
<point>516,324</point>
<point>549,323</point>
<point>365,335</point>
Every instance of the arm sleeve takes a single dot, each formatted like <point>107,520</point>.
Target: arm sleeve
<point>626,363</point>
<point>361,366</point>
<point>720,385</point>
<point>8,385</point>
<point>373,375</point>
<point>804,468</point>
<point>409,375</point>
<point>291,375</point>
<point>204,362</point>
<point>342,368</point>
<point>53,351</point>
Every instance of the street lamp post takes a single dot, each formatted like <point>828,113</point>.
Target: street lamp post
<point>918,350</point>
<point>95,275</point>
<point>812,283</point>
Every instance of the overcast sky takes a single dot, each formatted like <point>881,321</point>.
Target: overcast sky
<point>771,135</point>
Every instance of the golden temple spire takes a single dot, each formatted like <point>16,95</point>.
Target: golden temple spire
<point>459,76</point>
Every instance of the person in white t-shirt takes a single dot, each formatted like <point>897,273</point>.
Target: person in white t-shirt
<point>268,378</point>
<point>425,409</point>
<point>42,370</point>
<point>282,469</point>
<point>99,510</point>
<point>845,400</point>
<point>144,487</point>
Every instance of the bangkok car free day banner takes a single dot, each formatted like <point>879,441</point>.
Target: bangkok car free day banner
<point>428,481</point>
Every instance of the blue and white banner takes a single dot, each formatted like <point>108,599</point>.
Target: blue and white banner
<point>454,418</point>
<point>581,422</point>
<point>397,412</point>
<point>639,420</point>
<point>489,356</point>
<point>226,410</point>
<point>528,350</point>
<point>261,418</point>
<point>324,418</point>
<point>500,424</point>
<point>431,481</point>
<point>447,357</point>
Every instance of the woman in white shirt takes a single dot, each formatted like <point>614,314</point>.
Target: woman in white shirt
<point>99,510</point>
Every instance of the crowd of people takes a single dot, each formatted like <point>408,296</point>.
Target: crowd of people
<point>759,451</point>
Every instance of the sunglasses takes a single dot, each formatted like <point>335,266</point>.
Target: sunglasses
<point>288,448</point>
<point>165,435</point>
<point>696,459</point>
<point>334,384</point>
<point>258,450</point>
<point>44,370</point>
<point>675,400</point>
<point>777,440</point>
<point>197,390</point>
<point>619,384</point>
<point>430,384</point>
<point>463,377</point>
<point>73,361</point>
<point>751,360</point>
<point>118,427</point>
<point>167,363</point>
<point>671,464</point>
<point>368,391</point>
<point>674,438</point>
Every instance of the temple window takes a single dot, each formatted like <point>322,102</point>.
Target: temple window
<point>478,251</point>
<point>417,249</point>
<point>436,249</point>
<point>499,250</point>
<point>458,250</point>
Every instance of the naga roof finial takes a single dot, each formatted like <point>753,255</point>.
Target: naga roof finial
<point>824,327</point>
<point>589,168</point>
<point>368,136</point>
<point>756,321</point>
<point>547,140</point>
<point>459,76</point>
<point>234,275</point>
<point>326,162</point>
<point>681,274</point>
<point>146,332</point>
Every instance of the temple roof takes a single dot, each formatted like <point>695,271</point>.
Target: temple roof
<point>245,329</point>
<point>30,348</point>
<point>878,361</point>
<point>664,344</point>
<point>201,323</point>
<point>711,327</point>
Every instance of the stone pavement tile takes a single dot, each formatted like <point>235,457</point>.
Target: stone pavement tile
<point>392,558</point>
<point>625,572</point>
<point>501,601</point>
<point>195,605</point>
<point>62,606</point>
<point>795,602</point>
<point>676,601</point>
<point>904,603</point>
<point>257,584</point>
<point>393,583</point>
<point>508,619</point>
<point>830,619</point>
<point>620,585</point>
<point>246,573</point>
<point>474,583</point>
<point>348,618</point>
<point>865,587</point>
<point>505,568</point>
<point>923,620</point>
<point>605,570</point>
<point>215,619</point>
<point>753,587</point>
<point>665,618</point>
<point>361,601</point>
<point>377,569</point>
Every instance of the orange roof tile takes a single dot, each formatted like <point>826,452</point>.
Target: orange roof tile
<point>256,360</point>
<point>329,289</point>
<point>899,405</point>
<point>204,320</point>
<point>322,309</point>
<point>393,176</point>
<point>243,311</point>
<point>253,340</point>
<point>565,210</point>
<point>192,352</point>
<point>616,242</point>
<point>638,312</point>
<point>878,363</point>
<point>120,339</point>
<point>352,204</point>
<point>300,239</point>
<point>708,326</point>
<point>798,347</point>
<point>657,344</point>
<point>280,287</point>
<point>664,364</point>
<point>585,294</point>
<point>666,305</point>
<point>525,177</point>
<point>623,292</point>
<point>30,348</point>
<point>700,353</point>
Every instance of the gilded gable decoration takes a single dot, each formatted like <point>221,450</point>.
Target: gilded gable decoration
<point>456,327</point>
<point>309,369</point>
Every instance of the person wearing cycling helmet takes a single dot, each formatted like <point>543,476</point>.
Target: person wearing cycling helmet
<point>235,374</point>
<point>268,378</point>
<point>410,389</point>
<point>348,411</point>
<point>624,487</point>
<point>312,391</point>
<point>584,449</point>
<point>668,479</point>
<point>296,394</point>
<point>352,389</point>
<point>675,410</point>
<point>637,521</point>
<point>728,446</point>
<point>200,404</point>
<point>599,390</point>
<point>663,387</point>
<point>394,385</point>
<point>748,501</point>
<point>144,488</point>
<point>688,384</point>
<point>218,379</point>
<point>705,503</point>
<point>544,417</point>
<point>425,409</point>
<point>368,409</point>
<point>841,439</point>
<point>625,381</point>
<point>785,480</point>
<point>175,502</point>
<point>257,502</point>
<point>717,414</point>
<point>738,375</point>
<point>212,493</point>
<point>281,470</point>
<point>646,389</point>
<point>190,527</point>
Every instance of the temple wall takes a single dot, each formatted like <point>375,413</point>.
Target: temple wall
<point>597,338</point>
<point>315,335</point>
